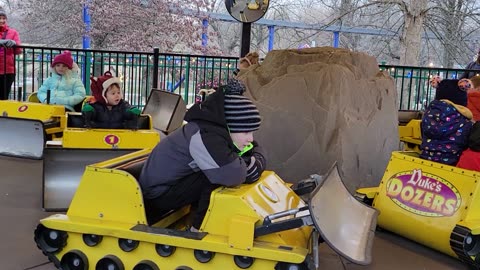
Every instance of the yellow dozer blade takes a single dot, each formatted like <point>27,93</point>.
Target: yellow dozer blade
<point>167,110</point>
<point>347,225</point>
<point>23,138</point>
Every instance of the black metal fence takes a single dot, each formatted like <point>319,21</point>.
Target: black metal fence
<point>413,87</point>
<point>139,71</point>
<point>186,74</point>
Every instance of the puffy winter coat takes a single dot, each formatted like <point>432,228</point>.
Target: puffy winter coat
<point>204,144</point>
<point>64,91</point>
<point>8,63</point>
<point>473,104</point>
<point>117,117</point>
<point>445,130</point>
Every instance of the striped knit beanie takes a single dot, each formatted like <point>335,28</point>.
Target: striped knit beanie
<point>241,114</point>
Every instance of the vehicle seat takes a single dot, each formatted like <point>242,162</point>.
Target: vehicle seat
<point>75,120</point>
<point>143,121</point>
<point>33,98</point>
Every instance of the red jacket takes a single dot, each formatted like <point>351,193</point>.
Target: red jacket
<point>469,160</point>
<point>473,104</point>
<point>10,61</point>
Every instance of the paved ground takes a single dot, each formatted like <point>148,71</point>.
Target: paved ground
<point>20,210</point>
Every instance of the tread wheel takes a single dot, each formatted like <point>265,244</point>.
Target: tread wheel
<point>243,262</point>
<point>109,262</point>
<point>127,245</point>
<point>92,240</point>
<point>165,250</point>
<point>74,260</point>
<point>48,240</point>
<point>146,265</point>
<point>203,256</point>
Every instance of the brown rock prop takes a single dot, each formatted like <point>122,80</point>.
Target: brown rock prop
<point>324,105</point>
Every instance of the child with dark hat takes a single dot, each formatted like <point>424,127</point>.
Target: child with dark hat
<point>108,109</point>
<point>470,158</point>
<point>65,86</point>
<point>446,124</point>
<point>215,148</point>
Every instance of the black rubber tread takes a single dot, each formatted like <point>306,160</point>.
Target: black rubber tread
<point>457,240</point>
<point>51,257</point>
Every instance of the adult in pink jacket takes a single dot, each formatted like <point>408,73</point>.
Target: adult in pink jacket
<point>9,40</point>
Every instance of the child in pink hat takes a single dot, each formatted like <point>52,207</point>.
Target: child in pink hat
<point>64,84</point>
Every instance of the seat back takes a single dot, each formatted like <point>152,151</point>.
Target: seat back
<point>33,98</point>
<point>75,120</point>
<point>134,168</point>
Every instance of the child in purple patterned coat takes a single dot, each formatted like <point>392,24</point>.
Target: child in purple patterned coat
<point>446,124</point>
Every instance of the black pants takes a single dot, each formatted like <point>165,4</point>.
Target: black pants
<point>6,81</point>
<point>194,189</point>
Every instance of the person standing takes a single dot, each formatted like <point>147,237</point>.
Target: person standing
<point>9,43</point>
<point>474,65</point>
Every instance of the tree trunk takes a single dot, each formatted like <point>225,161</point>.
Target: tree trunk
<point>410,41</point>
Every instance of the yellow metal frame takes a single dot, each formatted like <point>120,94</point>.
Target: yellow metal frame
<point>88,138</point>
<point>424,200</point>
<point>411,135</point>
<point>35,111</point>
<point>109,138</point>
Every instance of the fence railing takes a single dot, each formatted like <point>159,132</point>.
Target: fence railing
<point>186,74</point>
<point>413,87</point>
<point>139,71</point>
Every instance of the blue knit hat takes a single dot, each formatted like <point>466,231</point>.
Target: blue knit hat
<point>449,89</point>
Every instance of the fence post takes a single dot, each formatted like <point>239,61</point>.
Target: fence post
<point>86,71</point>
<point>156,57</point>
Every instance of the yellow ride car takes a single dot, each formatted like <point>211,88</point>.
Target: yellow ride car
<point>264,225</point>
<point>431,203</point>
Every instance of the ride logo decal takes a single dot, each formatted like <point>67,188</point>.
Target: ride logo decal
<point>111,139</point>
<point>423,194</point>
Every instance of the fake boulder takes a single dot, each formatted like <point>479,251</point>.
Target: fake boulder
<point>324,105</point>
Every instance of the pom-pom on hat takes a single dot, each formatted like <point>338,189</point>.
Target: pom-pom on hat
<point>449,89</point>
<point>100,85</point>
<point>64,58</point>
<point>240,112</point>
<point>465,84</point>
<point>233,87</point>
